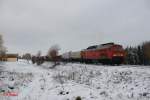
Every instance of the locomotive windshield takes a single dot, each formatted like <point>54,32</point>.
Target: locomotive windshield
<point>92,47</point>
<point>117,48</point>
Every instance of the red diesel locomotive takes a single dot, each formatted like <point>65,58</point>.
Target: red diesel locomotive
<point>108,53</point>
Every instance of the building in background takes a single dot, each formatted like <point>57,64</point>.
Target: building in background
<point>9,57</point>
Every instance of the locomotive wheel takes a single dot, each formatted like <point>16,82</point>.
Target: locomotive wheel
<point>95,62</point>
<point>117,60</point>
<point>105,61</point>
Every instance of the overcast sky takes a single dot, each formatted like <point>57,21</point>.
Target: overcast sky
<point>32,25</point>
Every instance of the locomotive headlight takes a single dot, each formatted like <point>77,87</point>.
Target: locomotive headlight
<point>114,54</point>
<point>118,54</point>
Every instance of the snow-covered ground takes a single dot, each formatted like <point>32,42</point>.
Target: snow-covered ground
<point>68,81</point>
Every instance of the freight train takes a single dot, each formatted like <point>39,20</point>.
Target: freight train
<point>109,53</point>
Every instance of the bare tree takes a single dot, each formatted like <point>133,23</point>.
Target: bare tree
<point>146,47</point>
<point>53,53</point>
<point>3,49</point>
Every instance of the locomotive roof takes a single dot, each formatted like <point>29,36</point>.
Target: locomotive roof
<point>110,43</point>
<point>92,47</point>
<point>101,46</point>
<point>104,46</point>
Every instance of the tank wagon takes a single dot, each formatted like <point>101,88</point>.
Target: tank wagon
<point>108,53</point>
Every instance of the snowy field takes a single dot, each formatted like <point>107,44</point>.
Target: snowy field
<point>23,81</point>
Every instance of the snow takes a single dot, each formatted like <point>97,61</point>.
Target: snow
<point>70,80</point>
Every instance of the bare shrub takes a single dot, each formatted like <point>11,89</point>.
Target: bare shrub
<point>61,79</point>
<point>27,56</point>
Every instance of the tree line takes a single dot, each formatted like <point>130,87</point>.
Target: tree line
<point>138,55</point>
